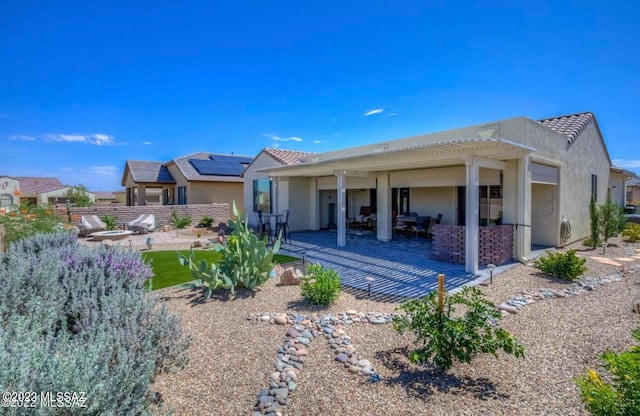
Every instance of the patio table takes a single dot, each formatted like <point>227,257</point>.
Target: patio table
<point>273,223</point>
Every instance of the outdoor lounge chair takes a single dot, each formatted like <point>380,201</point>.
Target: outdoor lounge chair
<point>145,223</point>
<point>90,224</point>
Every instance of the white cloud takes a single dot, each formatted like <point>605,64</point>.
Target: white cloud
<point>627,164</point>
<point>105,171</point>
<point>317,141</point>
<point>146,143</point>
<point>97,139</point>
<point>374,111</point>
<point>101,139</point>
<point>277,138</point>
<point>23,138</point>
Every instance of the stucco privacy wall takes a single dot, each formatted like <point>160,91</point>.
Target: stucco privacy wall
<point>218,212</point>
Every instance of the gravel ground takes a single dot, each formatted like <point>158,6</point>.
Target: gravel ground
<point>231,358</point>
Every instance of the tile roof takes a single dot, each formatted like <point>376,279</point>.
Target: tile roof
<point>570,125</point>
<point>32,185</point>
<point>143,171</point>
<point>287,157</point>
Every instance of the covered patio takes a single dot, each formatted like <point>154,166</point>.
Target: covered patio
<point>401,268</point>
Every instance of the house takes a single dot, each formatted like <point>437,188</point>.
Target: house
<point>199,178</point>
<point>633,191</point>
<point>519,182</point>
<point>109,197</point>
<point>9,191</point>
<point>39,190</point>
<point>261,193</point>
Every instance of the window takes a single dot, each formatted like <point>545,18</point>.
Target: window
<point>490,204</point>
<point>6,200</point>
<point>594,187</point>
<point>182,195</point>
<point>262,195</point>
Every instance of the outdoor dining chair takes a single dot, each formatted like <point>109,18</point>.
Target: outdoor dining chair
<point>283,224</point>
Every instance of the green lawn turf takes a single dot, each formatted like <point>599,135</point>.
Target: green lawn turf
<point>167,271</point>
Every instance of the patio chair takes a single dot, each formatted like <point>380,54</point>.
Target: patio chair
<point>283,224</point>
<point>90,224</point>
<point>422,226</point>
<point>361,219</point>
<point>145,223</point>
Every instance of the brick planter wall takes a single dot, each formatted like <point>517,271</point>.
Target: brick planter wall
<point>495,244</point>
<point>218,212</point>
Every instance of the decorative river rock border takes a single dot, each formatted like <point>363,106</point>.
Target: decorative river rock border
<point>304,329</point>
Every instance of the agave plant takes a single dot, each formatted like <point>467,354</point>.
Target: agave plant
<point>247,262</point>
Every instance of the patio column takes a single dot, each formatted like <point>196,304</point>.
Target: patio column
<point>523,225</point>
<point>342,209</point>
<point>383,216</point>
<point>142,195</point>
<point>472,215</point>
<point>314,215</point>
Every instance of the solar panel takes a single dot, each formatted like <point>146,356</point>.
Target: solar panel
<point>220,165</point>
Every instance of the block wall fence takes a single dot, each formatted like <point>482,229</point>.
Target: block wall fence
<point>495,244</point>
<point>218,212</point>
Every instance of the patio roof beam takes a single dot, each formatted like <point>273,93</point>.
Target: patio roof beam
<point>354,173</point>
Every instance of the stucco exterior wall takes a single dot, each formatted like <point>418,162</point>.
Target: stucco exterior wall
<point>298,203</point>
<point>616,188</point>
<point>433,201</point>
<point>10,188</point>
<point>545,215</point>
<point>586,156</point>
<point>261,161</point>
<point>216,192</point>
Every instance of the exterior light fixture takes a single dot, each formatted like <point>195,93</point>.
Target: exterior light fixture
<point>369,280</point>
<point>491,267</point>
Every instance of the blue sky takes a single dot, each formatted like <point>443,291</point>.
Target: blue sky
<point>84,86</point>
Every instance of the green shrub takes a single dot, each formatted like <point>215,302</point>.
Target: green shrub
<point>621,396</point>
<point>75,318</point>
<point>443,338</point>
<point>320,286</point>
<point>205,222</point>
<point>26,220</point>
<point>180,222</point>
<point>566,266</point>
<point>247,261</point>
<point>612,219</point>
<point>632,232</point>
<point>594,215</point>
<point>110,221</point>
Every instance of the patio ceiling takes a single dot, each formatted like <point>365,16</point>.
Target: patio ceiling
<point>425,155</point>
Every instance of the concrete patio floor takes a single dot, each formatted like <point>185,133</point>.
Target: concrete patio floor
<point>401,268</point>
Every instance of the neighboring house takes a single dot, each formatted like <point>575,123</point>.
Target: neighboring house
<point>199,178</point>
<point>537,177</point>
<point>633,190</point>
<point>107,197</point>
<point>36,190</point>
<point>9,191</point>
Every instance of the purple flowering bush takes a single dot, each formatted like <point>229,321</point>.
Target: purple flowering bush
<point>79,319</point>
